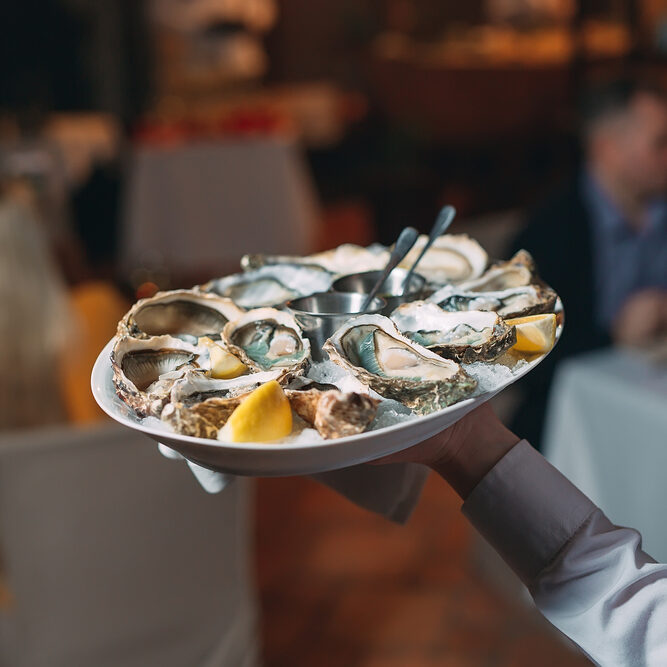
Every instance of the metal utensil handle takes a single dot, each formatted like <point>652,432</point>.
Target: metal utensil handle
<point>440,226</point>
<point>402,247</point>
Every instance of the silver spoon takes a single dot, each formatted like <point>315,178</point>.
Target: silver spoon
<point>440,226</point>
<point>402,247</point>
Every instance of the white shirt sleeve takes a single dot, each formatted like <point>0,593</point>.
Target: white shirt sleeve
<point>589,578</point>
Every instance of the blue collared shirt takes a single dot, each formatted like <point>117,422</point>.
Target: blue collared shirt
<point>625,259</point>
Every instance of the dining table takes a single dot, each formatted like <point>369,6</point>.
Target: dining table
<point>606,430</point>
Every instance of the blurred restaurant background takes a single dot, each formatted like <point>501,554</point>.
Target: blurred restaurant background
<point>149,145</point>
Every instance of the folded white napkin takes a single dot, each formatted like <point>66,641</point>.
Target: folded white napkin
<point>391,490</point>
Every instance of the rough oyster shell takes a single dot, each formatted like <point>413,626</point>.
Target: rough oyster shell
<point>465,336</point>
<point>196,385</point>
<point>178,312</point>
<point>333,413</point>
<point>514,302</point>
<point>199,405</point>
<point>271,285</point>
<point>517,272</point>
<point>266,339</point>
<point>144,369</point>
<point>346,258</point>
<point>371,348</point>
<point>452,258</point>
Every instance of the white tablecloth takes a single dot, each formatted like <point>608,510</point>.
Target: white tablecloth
<point>607,431</point>
<point>206,204</point>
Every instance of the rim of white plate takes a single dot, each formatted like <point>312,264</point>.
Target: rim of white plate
<point>102,373</point>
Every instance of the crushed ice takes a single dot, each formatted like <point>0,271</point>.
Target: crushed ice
<point>305,437</point>
<point>391,412</point>
<point>328,372</point>
<point>491,377</point>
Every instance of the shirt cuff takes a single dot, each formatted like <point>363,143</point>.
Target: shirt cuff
<point>526,510</point>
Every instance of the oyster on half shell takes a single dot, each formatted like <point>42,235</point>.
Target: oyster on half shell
<point>271,285</point>
<point>178,313</point>
<point>465,336</point>
<point>144,370</point>
<point>452,258</point>
<point>346,258</point>
<point>516,272</point>
<point>372,349</point>
<point>201,407</point>
<point>268,339</point>
<point>513,302</point>
<point>335,414</point>
<point>197,385</point>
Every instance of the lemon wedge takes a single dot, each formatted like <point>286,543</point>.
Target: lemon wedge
<point>535,334</point>
<point>224,365</point>
<point>264,415</point>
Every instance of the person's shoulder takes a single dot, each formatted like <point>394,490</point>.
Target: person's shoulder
<point>564,203</point>
<point>554,227</point>
<point>557,217</point>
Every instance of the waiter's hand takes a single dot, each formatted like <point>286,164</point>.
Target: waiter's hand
<point>642,318</point>
<point>463,453</point>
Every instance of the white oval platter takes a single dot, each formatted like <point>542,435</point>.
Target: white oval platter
<point>283,459</point>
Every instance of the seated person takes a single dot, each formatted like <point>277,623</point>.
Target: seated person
<point>601,242</point>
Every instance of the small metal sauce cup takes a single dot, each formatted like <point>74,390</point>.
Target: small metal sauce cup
<point>391,290</point>
<point>319,315</point>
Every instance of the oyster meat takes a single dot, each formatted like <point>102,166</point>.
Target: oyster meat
<point>178,313</point>
<point>144,370</point>
<point>514,302</point>
<point>266,339</point>
<point>271,285</point>
<point>452,258</point>
<point>465,336</point>
<point>517,272</point>
<point>372,348</point>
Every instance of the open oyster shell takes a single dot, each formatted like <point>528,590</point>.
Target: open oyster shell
<point>346,258</point>
<point>196,385</point>
<point>333,413</point>
<point>516,272</point>
<point>267,339</point>
<point>465,336</point>
<point>271,285</point>
<point>372,348</point>
<point>452,258</point>
<point>178,313</point>
<point>513,302</point>
<point>144,370</point>
<point>199,405</point>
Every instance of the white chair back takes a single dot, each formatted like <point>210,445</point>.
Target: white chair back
<point>116,557</point>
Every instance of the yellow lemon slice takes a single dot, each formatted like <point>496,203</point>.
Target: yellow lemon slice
<point>264,415</point>
<point>224,365</point>
<point>535,334</point>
